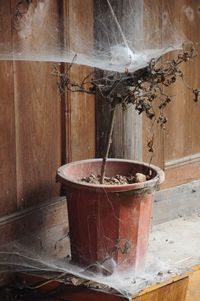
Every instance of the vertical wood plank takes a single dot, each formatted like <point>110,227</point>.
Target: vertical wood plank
<point>38,125</point>
<point>181,138</point>
<point>82,120</point>
<point>7,119</point>
<point>80,107</point>
<point>182,135</point>
<point>38,132</point>
<point>152,38</point>
<point>126,140</point>
<point>177,125</point>
<point>127,134</point>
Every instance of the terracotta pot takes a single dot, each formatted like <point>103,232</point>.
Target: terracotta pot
<point>109,224</point>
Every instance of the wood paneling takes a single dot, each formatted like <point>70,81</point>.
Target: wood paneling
<point>33,120</point>
<point>128,127</point>
<point>37,114</point>
<point>179,174</point>
<point>38,132</point>
<point>8,199</point>
<point>30,116</point>
<point>182,134</point>
<point>82,120</point>
<point>33,125</point>
<point>175,202</point>
<point>39,228</point>
<point>181,138</point>
<point>80,107</point>
<point>152,39</point>
<point>126,142</point>
<point>7,120</point>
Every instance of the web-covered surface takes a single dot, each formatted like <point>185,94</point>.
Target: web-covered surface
<point>125,34</point>
<point>124,38</point>
<point>173,249</point>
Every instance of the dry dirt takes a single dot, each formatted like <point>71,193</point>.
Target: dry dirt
<point>117,180</point>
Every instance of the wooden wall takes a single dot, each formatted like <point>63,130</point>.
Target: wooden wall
<point>40,130</point>
<point>177,149</point>
<point>30,127</point>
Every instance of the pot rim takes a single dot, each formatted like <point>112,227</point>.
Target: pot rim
<point>149,185</point>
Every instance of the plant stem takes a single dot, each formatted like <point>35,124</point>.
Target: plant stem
<point>108,144</point>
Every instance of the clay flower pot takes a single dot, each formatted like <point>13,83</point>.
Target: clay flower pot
<point>109,224</point>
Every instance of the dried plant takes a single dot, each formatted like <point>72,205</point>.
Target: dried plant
<point>140,88</point>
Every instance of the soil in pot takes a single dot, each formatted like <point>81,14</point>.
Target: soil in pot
<point>116,180</point>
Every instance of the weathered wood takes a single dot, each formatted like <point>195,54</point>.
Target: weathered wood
<point>41,227</point>
<point>181,138</point>
<point>38,132</point>
<point>181,173</point>
<point>80,107</point>
<point>152,39</point>
<point>82,120</point>
<point>37,115</point>
<point>8,200</point>
<point>182,135</point>
<point>126,142</point>
<point>193,292</point>
<point>102,124</point>
<point>171,203</point>
<point>172,292</point>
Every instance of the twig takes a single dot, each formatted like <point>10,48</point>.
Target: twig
<point>108,144</point>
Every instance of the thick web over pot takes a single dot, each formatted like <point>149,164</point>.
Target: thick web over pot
<point>117,35</point>
<point>123,37</point>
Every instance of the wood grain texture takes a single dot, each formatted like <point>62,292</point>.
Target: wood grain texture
<point>180,174</point>
<point>126,142</point>
<point>175,291</point>
<point>80,107</point>
<point>171,203</point>
<point>38,132</point>
<point>181,138</point>
<point>182,134</point>
<point>193,292</point>
<point>37,115</point>
<point>8,200</point>
<point>152,38</point>
<point>82,119</point>
<point>39,228</point>
<point>33,143</point>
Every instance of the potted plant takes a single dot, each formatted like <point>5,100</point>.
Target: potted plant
<point>110,200</point>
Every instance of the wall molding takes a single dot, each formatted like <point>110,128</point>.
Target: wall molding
<point>182,161</point>
<point>179,201</point>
